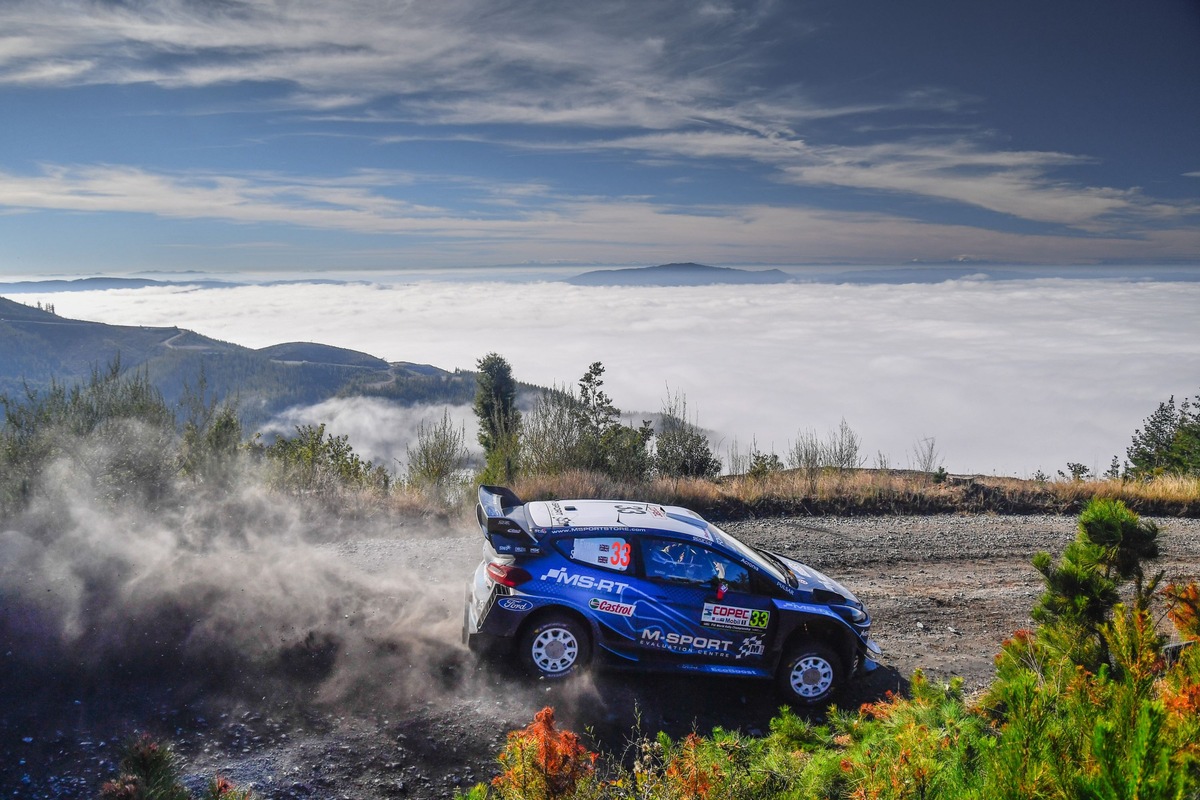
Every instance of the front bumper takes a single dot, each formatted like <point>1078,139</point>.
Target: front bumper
<point>869,661</point>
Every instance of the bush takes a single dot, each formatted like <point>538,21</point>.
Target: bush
<point>440,455</point>
<point>114,432</point>
<point>312,463</point>
<point>568,431</point>
<point>1168,441</point>
<point>149,772</point>
<point>1125,727</point>
<point>212,438</point>
<point>499,419</point>
<point>541,762</point>
<point>549,435</point>
<point>681,450</point>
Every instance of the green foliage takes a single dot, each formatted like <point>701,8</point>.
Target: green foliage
<point>1076,472</point>
<point>1125,541</point>
<point>148,771</point>
<point>499,419</point>
<point>763,464</point>
<point>1122,727</point>
<point>1168,441</point>
<point>1114,470</point>
<point>1133,767</point>
<point>115,432</point>
<point>439,456</point>
<point>567,430</point>
<point>1082,589</point>
<point>212,437</point>
<point>542,762</point>
<point>313,463</point>
<point>595,417</point>
<point>503,463</point>
<point>681,450</point>
<point>549,435</point>
<point>626,452</point>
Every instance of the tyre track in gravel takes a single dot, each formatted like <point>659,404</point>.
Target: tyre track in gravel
<point>944,592</point>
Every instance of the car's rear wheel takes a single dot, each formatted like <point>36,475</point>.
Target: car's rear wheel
<point>556,647</point>
<point>810,673</point>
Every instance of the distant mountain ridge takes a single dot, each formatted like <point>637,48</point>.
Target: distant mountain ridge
<point>684,274</point>
<point>103,283</point>
<point>37,347</point>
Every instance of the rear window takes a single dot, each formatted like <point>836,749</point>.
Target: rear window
<point>607,552</point>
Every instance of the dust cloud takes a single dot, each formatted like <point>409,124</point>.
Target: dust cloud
<point>242,591</point>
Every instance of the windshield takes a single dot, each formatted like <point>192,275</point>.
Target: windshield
<point>764,561</point>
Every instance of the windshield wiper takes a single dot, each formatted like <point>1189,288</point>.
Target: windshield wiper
<point>774,559</point>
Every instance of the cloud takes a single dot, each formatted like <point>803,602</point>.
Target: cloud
<point>528,221</point>
<point>379,431</point>
<point>957,169</point>
<point>368,49</point>
<point>669,82</point>
<point>1008,376</point>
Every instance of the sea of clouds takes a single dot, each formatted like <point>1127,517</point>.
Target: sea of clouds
<point>1009,376</point>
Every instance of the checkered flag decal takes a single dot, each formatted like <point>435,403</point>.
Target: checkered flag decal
<point>751,646</point>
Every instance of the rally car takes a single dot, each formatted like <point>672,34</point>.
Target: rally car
<point>654,587</point>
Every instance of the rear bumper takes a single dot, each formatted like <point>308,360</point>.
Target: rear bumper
<point>475,637</point>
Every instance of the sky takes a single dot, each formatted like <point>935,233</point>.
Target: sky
<point>308,136</point>
<point>1007,377</point>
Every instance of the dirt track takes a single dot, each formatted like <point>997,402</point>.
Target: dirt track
<point>944,592</point>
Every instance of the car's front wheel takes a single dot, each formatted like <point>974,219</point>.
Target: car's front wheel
<point>810,673</point>
<point>556,647</point>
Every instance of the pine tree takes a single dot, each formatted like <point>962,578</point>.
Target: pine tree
<point>499,419</point>
<point>1168,441</point>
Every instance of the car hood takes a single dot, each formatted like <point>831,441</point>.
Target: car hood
<point>810,579</point>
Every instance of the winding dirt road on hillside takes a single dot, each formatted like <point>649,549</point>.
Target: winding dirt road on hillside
<point>425,722</point>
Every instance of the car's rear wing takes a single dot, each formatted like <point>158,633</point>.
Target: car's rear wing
<point>500,514</point>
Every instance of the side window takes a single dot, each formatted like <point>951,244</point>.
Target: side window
<point>683,562</point>
<point>607,552</point>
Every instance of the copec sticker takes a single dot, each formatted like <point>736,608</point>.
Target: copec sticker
<point>716,615</point>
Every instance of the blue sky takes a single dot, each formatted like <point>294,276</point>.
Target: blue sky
<point>361,135</point>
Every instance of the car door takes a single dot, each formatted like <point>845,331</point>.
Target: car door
<point>598,579</point>
<point>703,608</point>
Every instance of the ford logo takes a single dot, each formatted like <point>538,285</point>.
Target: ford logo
<point>515,604</point>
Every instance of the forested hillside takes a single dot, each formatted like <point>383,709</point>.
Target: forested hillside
<point>38,347</point>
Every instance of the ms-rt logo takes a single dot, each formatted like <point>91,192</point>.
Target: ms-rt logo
<point>560,575</point>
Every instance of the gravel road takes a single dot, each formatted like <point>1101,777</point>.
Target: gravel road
<point>944,592</point>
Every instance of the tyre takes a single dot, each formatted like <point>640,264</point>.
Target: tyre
<point>810,673</point>
<point>556,647</point>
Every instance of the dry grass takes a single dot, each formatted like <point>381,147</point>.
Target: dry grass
<point>790,493</point>
<point>857,492</point>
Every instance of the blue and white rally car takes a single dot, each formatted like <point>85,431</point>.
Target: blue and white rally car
<point>653,587</point>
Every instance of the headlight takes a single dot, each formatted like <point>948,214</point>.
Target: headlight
<point>855,615</point>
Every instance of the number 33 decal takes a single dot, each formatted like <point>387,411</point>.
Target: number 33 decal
<point>620,554</point>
